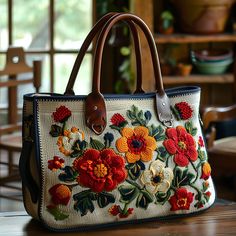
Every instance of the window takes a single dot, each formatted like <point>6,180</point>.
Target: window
<point>52,31</point>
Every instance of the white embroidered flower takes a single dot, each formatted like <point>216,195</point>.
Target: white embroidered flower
<point>157,178</point>
<point>66,142</point>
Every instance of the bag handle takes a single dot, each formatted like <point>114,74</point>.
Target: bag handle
<point>88,40</point>
<point>95,109</point>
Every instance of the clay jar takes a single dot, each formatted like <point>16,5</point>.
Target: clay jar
<point>203,16</point>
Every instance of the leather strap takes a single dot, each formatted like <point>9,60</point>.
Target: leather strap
<point>97,28</point>
<point>95,100</point>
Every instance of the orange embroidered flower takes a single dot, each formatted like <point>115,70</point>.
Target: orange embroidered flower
<point>136,144</point>
<point>61,194</point>
<point>56,163</point>
<point>206,171</point>
<point>100,170</point>
<point>66,142</point>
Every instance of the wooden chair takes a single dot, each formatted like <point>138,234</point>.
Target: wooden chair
<point>10,133</point>
<point>221,151</point>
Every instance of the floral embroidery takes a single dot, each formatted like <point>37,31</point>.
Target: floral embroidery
<point>116,210</point>
<point>135,171</point>
<point>136,144</point>
<point>61,194</point>
<point>200,141</point>
<point>100,170</point>
<point>67,141</point>
<point>157,178</point>
<point>206,171</point>
<point>181,200</point>
<point>180,144</point>
<point>118,120</point>
<point>61,114</point>
<point>56,163</point>
<point>183,111</point>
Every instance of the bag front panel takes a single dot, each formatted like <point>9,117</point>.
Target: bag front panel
<point>136,169</point>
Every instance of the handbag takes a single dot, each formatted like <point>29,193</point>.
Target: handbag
<point>98,160</point>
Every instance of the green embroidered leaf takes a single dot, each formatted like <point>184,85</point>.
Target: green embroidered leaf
<point>115,127</point>
<point>84,205</point>
<point>162,154</point>
<point>202,155</point>
<point>190,129</point>
<point>58,215</point>
<point>128,193</point>
<point>176,113</point>
<point>55,131</point>
<point>130,115</point>
<point>135,170</point>
<point>182,177</point>
<point>104,199</point>
<point>83,201</point>
<point>161,198</point>
<point>68,174</point>
<point>157,132</point>
<point>96,144</point>
<point>137,116</point>
<point>144,198</point>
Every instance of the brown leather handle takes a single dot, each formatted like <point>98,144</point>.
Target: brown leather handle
<point>95,109</point>
<point>97,28</point>
<point>101,42</point>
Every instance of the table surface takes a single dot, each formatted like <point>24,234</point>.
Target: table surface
<point>218,220</point>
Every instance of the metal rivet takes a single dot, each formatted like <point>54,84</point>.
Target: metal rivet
<point>163,104</point>
<point>95,108</point>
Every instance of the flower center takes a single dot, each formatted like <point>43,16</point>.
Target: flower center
<point>181,202</point>
<point>157,179</point>
<point>136,144</point>
<point>182,145</point>
<point>100,170</point>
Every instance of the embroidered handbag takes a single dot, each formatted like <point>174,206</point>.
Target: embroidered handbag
<point>90,161</point>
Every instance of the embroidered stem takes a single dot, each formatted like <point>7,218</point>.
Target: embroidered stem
<point>134,184</point>
<point>196,172</point>
<point>63,127</point>
<point>199,194</point>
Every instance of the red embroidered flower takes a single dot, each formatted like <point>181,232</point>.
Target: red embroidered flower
<point>117,119</point>
<point>184,110</point>
<point>61,194</point>
<point>127,213</point>
<point>180,144</point>
<point>208,194</point>
<point>200,141</point>
<point>206,171</point>
<point>181,200</point>
<point>61,114</point>
<point>100,170</point>
<point>116,210</point>
<point>56,163</point>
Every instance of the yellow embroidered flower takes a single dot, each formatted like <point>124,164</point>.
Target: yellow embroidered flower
<point>66,142</point>
<point>157,178</point>
<point>136,144</point>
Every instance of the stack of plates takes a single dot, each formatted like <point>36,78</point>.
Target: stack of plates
<point>214,61</point>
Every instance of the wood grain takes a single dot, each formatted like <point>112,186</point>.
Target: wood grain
<point>188,38</point>
<point>219,220</point>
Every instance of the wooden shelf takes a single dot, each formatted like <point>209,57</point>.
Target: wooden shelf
<point>191,38</point>
<point>199,79</point>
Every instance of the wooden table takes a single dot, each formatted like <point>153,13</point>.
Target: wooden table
<point>219,220</point>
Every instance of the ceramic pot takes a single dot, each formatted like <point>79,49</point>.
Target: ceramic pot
<point>202,16</point>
